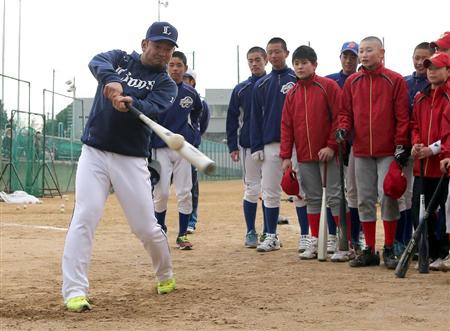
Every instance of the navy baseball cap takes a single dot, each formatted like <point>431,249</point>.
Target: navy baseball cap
<point>350,46</point>
<point>162,31</point>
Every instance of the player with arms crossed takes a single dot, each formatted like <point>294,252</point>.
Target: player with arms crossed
<point>181,118</point>
<point>375,105</point>
<point>115,151</point>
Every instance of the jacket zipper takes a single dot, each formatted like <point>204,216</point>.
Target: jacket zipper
<point>307,126</point>
<point>370,115</point>
<point>429,132</point>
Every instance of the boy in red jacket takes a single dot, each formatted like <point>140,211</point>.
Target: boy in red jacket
<point>309,121</point>
<point>375,105</point>
<point>429,105</point>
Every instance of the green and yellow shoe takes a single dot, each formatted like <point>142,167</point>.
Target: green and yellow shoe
<point>78,304</point>
<point>166,286</point>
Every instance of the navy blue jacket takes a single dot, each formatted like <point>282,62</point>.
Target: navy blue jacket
<point>415,85</point>
<point>203,123</point>
<point>182,117</point>
<point>152,90</point>
<point>238,115</point>
<point>267,105</point>
<point>339,78</point>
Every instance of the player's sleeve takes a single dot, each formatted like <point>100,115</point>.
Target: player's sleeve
<point>256,121</point>
<point>196,111</point>
<point>103,66</point>
<point>334,103</point>
<point>160,98</point>
<point>345,116</point>
<point>232,122</point>
<point>204,118</point>
<point>401,110</point>
<point>287,129</point>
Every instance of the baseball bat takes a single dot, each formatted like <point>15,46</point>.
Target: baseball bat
<point>343,240</point>
<point>323,225</point>
<point>405,259</point>
<point>180,145</point>
<point>424,262</point>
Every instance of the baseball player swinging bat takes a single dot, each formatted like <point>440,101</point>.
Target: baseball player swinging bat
<point>424,263</point>
<point>178,143</point>
<point>323,225</point>
<point>403,264</point>
<point>343,240</point>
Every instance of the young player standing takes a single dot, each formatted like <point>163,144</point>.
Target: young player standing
<point>375,106</point>
<point>349,63</point>
<point>268,99</point>
<point>429,105</point>
<point>416,82</point>
<point>115,151</point>
<point>238,139</point>
<point>190,78</point>
<point>309,121</point>
<point>181,118</point>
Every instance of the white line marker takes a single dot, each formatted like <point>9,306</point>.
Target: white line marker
<point>42,227</point>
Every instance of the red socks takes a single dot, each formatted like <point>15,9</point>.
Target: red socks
<point>314,220</point>
<point>369,228</point>
<point>389,232</point>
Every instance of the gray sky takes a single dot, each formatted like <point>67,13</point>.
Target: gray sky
<point>65,34</point>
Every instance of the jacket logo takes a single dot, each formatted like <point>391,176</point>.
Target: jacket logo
<point>186,102</point>
<point>134,82</point>
<point>286,87</point>
<point>166,30</point>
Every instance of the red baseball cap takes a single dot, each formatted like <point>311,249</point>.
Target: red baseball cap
<point>289,183</point>
<point>394,184</point>
<point>439,60</point>
<point>443,42</point>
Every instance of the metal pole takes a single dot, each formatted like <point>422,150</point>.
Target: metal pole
<point>159,10</point>
<point>53,103</point>
<point>18,56</point>
<point>238,78</point>
<point>3,51</point>
<point>193,60</point>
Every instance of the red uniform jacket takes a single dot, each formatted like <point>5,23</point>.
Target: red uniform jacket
<point>429,105</point>
<point>445,133</point>
<point>309,118</point>
<point>375,105</point>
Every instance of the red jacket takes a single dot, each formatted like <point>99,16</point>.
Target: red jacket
<point>445,133</point>
<point>375,105</point>
<point>429,105</point>
<point>309,118</point>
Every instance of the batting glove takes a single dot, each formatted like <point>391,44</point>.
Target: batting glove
<point>340,135</point>
<point>401,155</point>
<point>258,156</point>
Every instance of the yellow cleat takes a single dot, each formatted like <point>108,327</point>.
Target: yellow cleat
<point>78,304</point>
<point>166,286</point>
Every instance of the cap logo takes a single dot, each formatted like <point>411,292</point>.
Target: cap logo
<point>351,45</point>
<point>166,30</point>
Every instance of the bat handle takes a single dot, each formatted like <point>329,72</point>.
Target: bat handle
<point>133,110</point>
<point>324,183</point>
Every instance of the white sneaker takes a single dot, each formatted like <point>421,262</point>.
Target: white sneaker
<point>436,265</point>
<point>190,230</point>
<point>311,251</point>
<point>445,265</point>
<point>343,256</point>
<point>270,243</point>
<point>303,242</point>
<point>331,243</point>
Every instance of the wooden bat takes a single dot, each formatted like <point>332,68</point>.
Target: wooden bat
<point>178,143</point>
<point>405,259</point>
<point>424,263</point>
<point>343,240</point>
<point>323,225</point>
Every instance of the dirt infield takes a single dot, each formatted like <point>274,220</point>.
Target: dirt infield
<point>221,284</point>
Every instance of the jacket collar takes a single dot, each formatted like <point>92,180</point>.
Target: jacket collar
<point>307,82</point>
<point>377,71</point>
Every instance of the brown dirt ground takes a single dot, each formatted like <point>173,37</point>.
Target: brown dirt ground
<point>221,284</point>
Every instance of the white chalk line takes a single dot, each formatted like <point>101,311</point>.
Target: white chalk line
<point>42,227</point>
